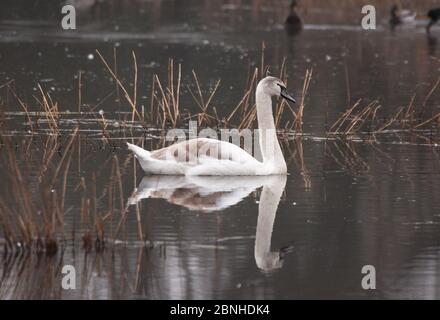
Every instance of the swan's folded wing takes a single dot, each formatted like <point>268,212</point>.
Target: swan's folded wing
<point>201,150</point>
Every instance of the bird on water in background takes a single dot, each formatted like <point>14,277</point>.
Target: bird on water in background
<point>434,16</point>
<point>399,17</point>
<point>293,23</point>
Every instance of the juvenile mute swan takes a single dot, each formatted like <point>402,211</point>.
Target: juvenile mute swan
<point>203,156</point>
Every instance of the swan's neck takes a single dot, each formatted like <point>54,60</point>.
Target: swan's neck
<point>271,152</point>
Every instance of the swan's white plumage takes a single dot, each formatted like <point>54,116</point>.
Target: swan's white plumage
<point>201,156</point>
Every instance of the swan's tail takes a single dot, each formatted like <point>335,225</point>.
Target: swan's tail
<point>139,152</point>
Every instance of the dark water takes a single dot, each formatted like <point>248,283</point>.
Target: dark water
<point>344,205</point>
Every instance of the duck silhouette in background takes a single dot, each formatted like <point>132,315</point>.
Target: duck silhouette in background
<point>293,23</point>
<point>434,16</point>
<point>401,17</point>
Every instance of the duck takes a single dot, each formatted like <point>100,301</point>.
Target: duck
<point>399,17</point>
<point>434,16</point>
<point>293,23</point>
<point>211,157</point>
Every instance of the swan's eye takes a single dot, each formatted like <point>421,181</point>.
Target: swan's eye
<point>283,88</point>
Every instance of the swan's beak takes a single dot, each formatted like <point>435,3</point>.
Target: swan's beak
<point>286,96</point>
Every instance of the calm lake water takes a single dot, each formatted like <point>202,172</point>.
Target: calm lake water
<point>345,204</point>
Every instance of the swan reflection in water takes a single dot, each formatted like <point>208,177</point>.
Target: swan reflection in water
<point>214,193</point>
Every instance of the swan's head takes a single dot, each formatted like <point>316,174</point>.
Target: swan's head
<point>274,87</point>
